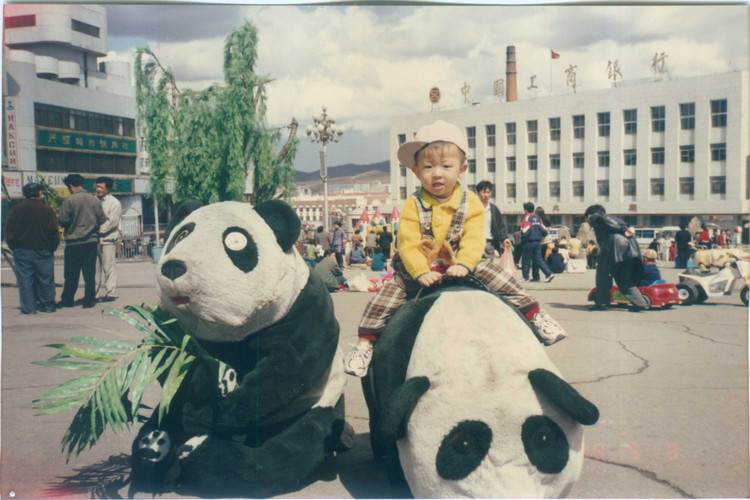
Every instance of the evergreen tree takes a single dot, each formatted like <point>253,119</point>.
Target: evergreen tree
<point>208,140</point>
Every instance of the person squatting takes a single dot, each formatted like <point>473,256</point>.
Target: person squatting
<point>440,210</point>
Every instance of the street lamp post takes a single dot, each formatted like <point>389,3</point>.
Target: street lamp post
<point>324,131</point>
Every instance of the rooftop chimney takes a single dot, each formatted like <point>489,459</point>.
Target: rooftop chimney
<point>511,92</point>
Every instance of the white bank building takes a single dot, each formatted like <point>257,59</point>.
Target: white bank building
<point>64,110</point>
<point>656,153</point>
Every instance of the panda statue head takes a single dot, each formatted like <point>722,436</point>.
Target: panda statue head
<point>228,270</point>
<point>482,412</point>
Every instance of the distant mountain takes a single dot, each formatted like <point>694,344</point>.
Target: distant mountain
<point>342,171</point>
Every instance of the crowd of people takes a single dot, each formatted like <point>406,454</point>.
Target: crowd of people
<point>91,224</point>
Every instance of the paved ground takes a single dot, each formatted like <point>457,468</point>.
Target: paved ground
<point>671,385</point>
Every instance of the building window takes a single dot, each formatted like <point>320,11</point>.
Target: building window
<point>85,28</point>
<point>490,165</point>
<point>657,156</point>
<point>579,126</point>
<point>554,129</point>
<point>628,187</point>
<point>510,190</point>
<point>658,118</point>
<point>687,154</point>
<point>718,185</point>
<point>532,162</point>
<point>578,160</point>
<point>687,185</point>
<point>658,220</point>
<point>402,192</point>
<point>719,151</point>
<point>47,115</point>
<point>629,156</point>
<point>687,116</point>
<point>472,166</point>
<point>578,188</point>
<point>719,113</point>
<point>490,131</point>
<point>471,136</point>
<point>602,188</point>
<point>630,118</point>
<point>531,189</point>
<point>603,158</point>
<point>554,189</point>
<point>603,121</point>
<point>19,21</point>
<point>401,139</point>
<point>510,161</point>
<point>510,133</point>
<point>531,128</point>
<point>402,169</point>
<point>554,161</point>
<point>657,187</point>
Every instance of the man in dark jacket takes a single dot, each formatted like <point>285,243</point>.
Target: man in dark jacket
<point>329,271</point>
<point>533,231</point>
<point>682,242</point>
<point>33,235</point>
<point>494,229</point>
<point>384,242</point>
<point>619,258</point>
<point>81,215</point>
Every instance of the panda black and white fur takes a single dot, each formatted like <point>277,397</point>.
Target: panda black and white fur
<point>272,409</point>
<point>475,407</point>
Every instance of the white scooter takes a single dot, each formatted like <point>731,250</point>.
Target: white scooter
<point>695,287</point>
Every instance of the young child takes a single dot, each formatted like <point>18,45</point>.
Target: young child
<point>442,211</point>
<point>651,273</point>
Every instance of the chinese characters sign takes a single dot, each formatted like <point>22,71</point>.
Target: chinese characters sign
<point>90,143</point>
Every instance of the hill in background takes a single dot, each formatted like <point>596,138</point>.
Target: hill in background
<point>373,171</point>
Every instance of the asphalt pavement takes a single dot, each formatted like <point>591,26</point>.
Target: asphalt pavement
<point>671,386</point>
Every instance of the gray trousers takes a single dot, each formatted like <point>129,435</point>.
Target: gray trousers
<point>105,273</point>
<point>36,278</point>
<point>622,272</point>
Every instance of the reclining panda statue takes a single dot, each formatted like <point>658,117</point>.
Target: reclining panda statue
<point>464,402</point>
<point>231,277</point>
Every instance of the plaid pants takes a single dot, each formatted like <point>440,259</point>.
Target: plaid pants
<point>394,293</point>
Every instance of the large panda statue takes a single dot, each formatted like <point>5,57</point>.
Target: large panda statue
<point>464,402</point>
<point>271,412</point>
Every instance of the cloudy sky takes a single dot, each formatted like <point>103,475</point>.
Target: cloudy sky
<point>370,63</point>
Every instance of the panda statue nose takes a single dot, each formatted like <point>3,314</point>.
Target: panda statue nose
<point>173,269</point>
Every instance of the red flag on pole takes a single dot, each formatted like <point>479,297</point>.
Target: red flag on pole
<point>554,54</point>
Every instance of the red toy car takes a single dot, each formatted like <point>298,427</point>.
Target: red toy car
<point>657,295</point>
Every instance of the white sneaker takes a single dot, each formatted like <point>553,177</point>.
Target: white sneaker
<point>358,360</point>
<point>550,330</point>
<point>549,278</point>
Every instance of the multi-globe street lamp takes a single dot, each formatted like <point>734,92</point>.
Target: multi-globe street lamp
<point>324,131</point>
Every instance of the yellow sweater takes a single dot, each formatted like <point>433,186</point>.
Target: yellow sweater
<point>472,242</point>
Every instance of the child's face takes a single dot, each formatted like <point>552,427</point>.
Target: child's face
<point>440,168</point>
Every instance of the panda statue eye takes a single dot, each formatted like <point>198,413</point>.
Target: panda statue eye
<point>183,233</point>
<point>463,442</point>
<point>463,449</point>
<point>235,241</point>
<point>545,444</point>
<point>240,248</point>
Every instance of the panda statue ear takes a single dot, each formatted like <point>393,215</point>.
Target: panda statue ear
<point>282,220</point>
<point>181,211</point>
<point>564,396</point>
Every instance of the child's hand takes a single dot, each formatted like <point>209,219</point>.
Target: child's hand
<point>430,279</point>
<point>457,271</point>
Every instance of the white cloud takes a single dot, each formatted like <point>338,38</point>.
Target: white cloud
<point>370,63</point>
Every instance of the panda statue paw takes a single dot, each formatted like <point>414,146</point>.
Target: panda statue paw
<point>155,469</point>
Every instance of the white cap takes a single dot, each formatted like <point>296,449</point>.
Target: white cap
<point>439,131</point>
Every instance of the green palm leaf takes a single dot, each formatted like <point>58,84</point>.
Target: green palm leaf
<point>111,395</point>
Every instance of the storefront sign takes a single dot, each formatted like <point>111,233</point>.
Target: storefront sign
<point>55,180</point>
<point>65,140</point>
<point>11,137</point>
<point>13,183</point>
